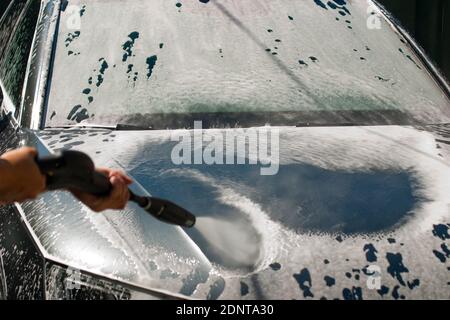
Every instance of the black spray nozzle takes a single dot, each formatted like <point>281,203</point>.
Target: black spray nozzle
<point>75,170</point>
<point>165,211</point>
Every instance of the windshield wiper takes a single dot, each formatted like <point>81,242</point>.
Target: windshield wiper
<point>131,127</point>
<point>313,124</point>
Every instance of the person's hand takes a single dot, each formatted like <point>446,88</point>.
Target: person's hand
<point>118,198</point>
<point>20,177</point>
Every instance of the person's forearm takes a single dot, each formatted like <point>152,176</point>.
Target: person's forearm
<point>21,179</point>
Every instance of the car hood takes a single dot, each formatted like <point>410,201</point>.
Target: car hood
<point>345,206</point>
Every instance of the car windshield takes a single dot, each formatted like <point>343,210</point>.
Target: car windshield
<point>236,63</point>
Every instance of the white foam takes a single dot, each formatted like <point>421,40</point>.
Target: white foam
<point>349,149</point>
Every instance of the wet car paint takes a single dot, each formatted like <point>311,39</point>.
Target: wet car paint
<point>329,257</point>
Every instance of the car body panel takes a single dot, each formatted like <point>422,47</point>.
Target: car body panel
<point>296,229</point>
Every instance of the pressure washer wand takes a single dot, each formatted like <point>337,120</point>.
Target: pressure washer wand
<point>165,210</point>
<point>75,170</point>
